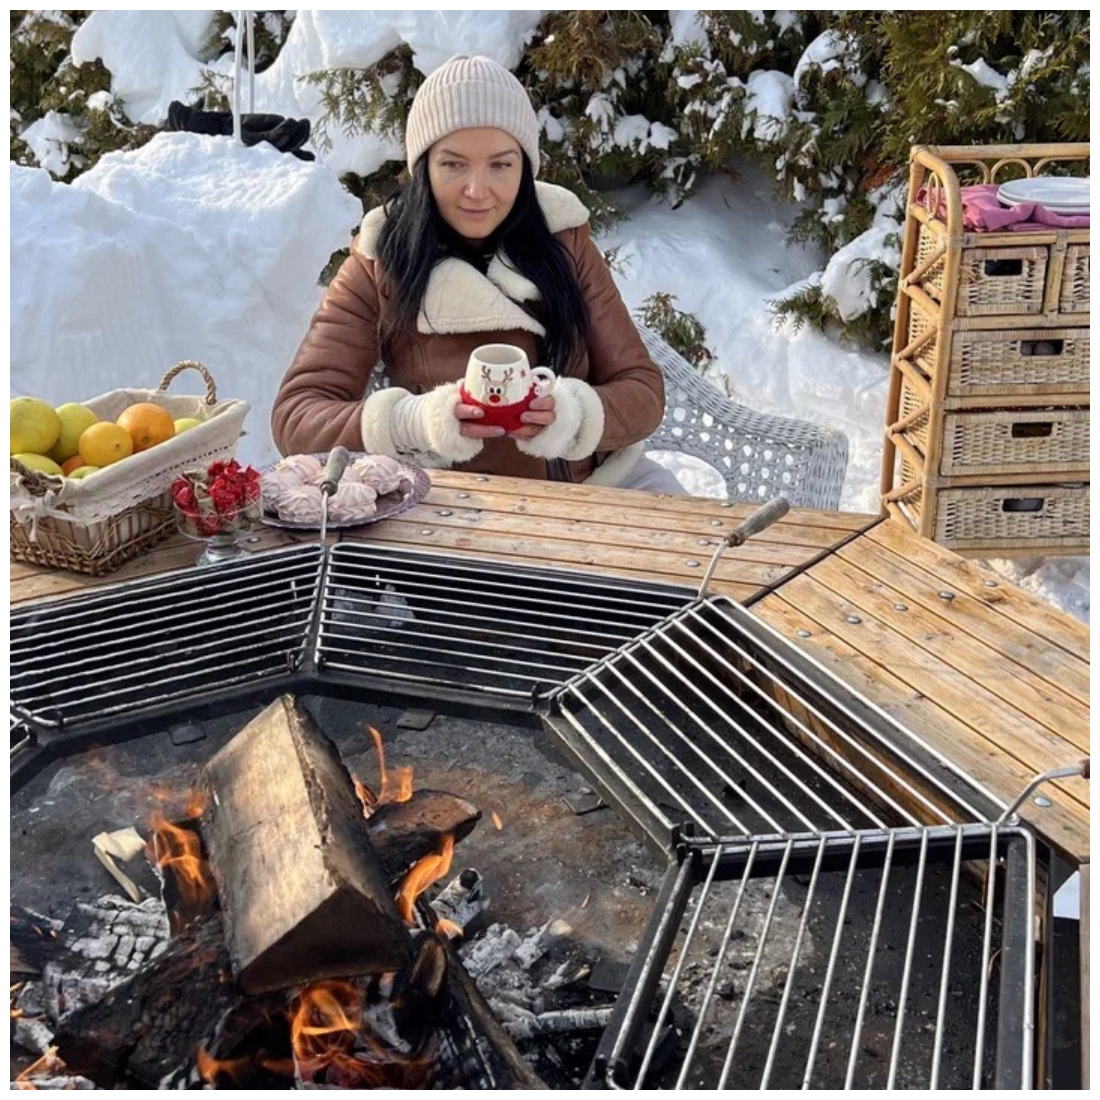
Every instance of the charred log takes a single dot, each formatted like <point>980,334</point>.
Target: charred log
<point>33,941</point>
<point>404,832</point>
<point>149,1026</point>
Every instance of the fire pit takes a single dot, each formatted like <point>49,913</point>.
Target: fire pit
<point>726,752</point>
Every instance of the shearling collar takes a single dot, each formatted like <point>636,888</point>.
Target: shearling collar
<point>459,298</point>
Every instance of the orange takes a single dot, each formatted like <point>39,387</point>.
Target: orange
<point>148,425</point>
<point>104,443</point>
<point>73,463</point>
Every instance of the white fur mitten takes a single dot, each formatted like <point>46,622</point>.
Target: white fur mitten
<point>578,424</point>
<point>420,427</point>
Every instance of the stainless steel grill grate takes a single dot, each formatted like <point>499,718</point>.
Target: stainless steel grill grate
<point>475,626</point>
<point>124,651</point>
<point>713,720</point>
<point>863,960</point>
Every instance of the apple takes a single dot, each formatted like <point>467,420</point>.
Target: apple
<point>186,422</point>
<point>74,419</point>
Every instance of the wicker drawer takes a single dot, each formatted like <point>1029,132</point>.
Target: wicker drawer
<point>992,281</point>
<point>1074,294</point>
<point>999,441</point>
<point>1003,363</point>
<point>1012,517</point>
<point>1006,518</point>
<point>1015,441</point>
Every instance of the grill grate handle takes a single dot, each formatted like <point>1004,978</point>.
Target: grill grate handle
<point>334,469</point>
<point>763,517</point>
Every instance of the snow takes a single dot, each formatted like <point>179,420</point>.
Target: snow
<point>785,20</point>
<point>826,52</point>
<point>688,31</point>
<point>769,98</point>
<point>985,75</point>
<point>49,139</point>
<point>153,56</point>
<point>188,248</point>
<point>724,255</point>
<point>847,278</point>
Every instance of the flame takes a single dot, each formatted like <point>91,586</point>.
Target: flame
<point>49,1065</point>
<point>448,928</point>
<point>421,875</point>
<point>196,803</point>
<point>330,1045</point>
<point>365,795</point>
<point>396,785</point>
<point>179,850</point>
<point>324,1021</point>
<point>209,1067</point>
<point>497,823</point>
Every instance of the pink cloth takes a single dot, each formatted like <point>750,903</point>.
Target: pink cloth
<point>983,212</point>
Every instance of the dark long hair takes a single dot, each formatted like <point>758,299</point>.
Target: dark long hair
<point>415,238</point>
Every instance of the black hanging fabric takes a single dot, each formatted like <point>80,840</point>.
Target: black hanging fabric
<point>288,135</point>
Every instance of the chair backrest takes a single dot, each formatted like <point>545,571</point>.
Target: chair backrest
<point>758,455</point>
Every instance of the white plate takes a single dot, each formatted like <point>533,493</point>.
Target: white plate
<point>1058,193</point>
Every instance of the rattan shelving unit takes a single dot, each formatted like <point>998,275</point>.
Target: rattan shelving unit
<point>987,420</point>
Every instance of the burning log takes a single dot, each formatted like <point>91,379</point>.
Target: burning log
<point>303,894</point>
<point>402,833</point>
<point>147,1028</point>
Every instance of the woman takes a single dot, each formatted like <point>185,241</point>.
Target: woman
<point>474,251</point>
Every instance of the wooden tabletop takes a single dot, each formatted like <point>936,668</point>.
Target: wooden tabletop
<point>982,672</point>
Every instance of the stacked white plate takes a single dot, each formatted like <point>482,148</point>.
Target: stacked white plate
<point>1059,194</point>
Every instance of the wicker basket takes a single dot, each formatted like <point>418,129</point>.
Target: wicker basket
<point>1015,441</point>
<point>991,280</point>
<point>1010,516</point>
<point>95,525</point>
<point>1003,363</point>
<point>997,520</point>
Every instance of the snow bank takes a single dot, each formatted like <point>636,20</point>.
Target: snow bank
<point>847,277</point>
<point>188,248</point>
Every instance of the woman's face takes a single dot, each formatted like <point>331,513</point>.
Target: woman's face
<point>475,176</point>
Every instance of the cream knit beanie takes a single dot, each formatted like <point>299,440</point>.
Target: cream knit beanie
<point>467,92</point>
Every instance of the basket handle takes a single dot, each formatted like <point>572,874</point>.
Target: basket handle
<point>36,482</point>
<point>194,364</point>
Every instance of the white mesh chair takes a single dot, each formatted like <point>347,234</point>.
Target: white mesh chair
<point>758,456</point>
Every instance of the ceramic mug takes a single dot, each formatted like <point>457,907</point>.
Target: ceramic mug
<point>502,383</point>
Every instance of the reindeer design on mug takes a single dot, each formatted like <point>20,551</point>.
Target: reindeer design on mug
<point>494,391</point>
<point>500,381</point>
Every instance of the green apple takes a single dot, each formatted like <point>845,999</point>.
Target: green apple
<point>39,462</point>
<point>74,419</point>
<point>85,471</point>
<point>186,422</point>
